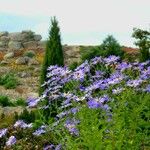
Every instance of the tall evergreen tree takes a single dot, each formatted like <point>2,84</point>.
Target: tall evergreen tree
<point>53,52</point>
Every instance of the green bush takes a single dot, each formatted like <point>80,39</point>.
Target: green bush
<point>110,46</point>
<point>30,54</point>
<point>73,65</point>
<point>5,101</point>
<point>88,53</point>
<point>27,116</point>
<point>9,81</point>
<point>20,102</point>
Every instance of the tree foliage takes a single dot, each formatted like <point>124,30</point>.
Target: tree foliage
<point>110,46</point>
<point>143,42</point>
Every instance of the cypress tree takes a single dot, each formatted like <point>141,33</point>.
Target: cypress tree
<point>53,52</point>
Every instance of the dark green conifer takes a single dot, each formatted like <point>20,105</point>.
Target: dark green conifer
<point>53,52</point>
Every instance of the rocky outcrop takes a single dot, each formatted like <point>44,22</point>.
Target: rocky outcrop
<point>19,40</point>
<point>15,44</point>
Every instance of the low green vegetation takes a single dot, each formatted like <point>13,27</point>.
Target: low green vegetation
<point>9,81</point>
<point>29,53</point>
<point>109,46</point>
<point>6,101</point>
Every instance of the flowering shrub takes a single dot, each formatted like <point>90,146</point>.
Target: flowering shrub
<point>102,104</point>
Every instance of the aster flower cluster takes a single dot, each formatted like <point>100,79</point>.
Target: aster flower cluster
<point>92,84</point>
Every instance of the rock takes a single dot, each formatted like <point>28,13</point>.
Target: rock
<point>14,45</point>
<point>33,62</point>
<point>3,44</point>
<point>9,55</point>
<point>4,62</point>
<point>5,33</point>
<point>5,39</point>
<point>37,70</point>
<point>27,59</point>
<point>30,45</point>
<point>26,31</point>
<point>21,61</point>
<point>3,49</point>
<point>24,74</point>
<point>17,36</point>
<point>37,37</point>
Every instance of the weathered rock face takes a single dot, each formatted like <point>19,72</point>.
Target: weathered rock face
<point>30,44</point>
<point>19,40</point>
<point>9,55</point>
<point>14,45</point>
<point>27,40</point>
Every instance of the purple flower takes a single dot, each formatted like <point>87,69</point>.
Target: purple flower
<point>11,141</point>
<point>22,124</point>
<point>111,59</point>
<point>96,60</point>
<point>117,91</point>
<point>79,75</point>
<point>134,83</point>
<point>71,126</point>
<point>93,104</point>
<point>123,66</point>
<point>147,88</point>
<point>3,132</point>
<point>58,147</point>
<point>49,147</point>
<point>40,131</point>
<point>32,101</point>
<point>104,98</point>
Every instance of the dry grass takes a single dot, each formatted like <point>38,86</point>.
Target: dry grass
<point>1,56</point>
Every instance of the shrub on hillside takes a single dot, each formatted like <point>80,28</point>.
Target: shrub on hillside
<point>110,46</point>
<point>27,116</point>
<point>9,81</point>
<point>29,53</point>
<point>20,102</point>
<point>88,53</point>
<point>5,101</point>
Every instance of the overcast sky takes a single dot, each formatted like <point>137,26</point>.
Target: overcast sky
<point>81,21</point>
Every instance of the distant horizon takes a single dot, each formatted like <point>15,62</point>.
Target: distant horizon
<point>81,22</point>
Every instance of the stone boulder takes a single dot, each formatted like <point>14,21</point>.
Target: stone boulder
<point>30,45</point>
<point>3,49</point>
<point>9,55</point>
<point>17,36</point>
<point>14,45</point>
<point>37,37</point>
<point>33,62</point>
<point>3,44</point>
<point>21,61</point>
<point>4,38</point>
